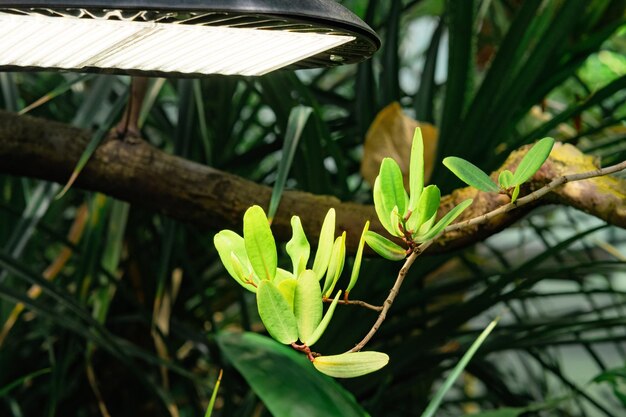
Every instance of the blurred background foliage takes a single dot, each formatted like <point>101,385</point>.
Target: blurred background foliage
<point>107,309</point>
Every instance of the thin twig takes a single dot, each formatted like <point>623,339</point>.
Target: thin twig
<point>357,303</point>
<point>534,196</point>
<point>392,295</point>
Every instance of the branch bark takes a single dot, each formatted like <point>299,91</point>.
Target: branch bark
<point>208,198</point>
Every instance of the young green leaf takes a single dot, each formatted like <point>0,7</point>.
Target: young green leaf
<point>426,208</point>
<point>260,244</point>
<point>321,328</point>
<point>505,179</point>
<point>229,244</point>
<point>350,365</point>
<point>335,267</point>
<point>354,276</point>
<point>276,313</point>
<point>209,410</point>
<point>298,247</point>
<point>532,161</point>
<point>392,193</point>
<point>384,247</point>
<point>325,245</point>
<point>308,305</point>
<point>281,275</point>
<point>416,169</point>
<point>515,193</point>
<point>434,404</point>
<point>379,206</point>
<point>470,174</point>
<point>288,290</point>
<point>445,221</point>
<point>246,279</point>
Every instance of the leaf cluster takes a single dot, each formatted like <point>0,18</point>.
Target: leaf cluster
<point>508,182</point>
<point>290,303</point>
<point>409,216</point>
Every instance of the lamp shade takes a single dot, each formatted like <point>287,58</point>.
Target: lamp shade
<point>189,37</point>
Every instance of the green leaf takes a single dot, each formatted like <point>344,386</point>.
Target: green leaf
<point>288,290</point>
<point>96,139</point>
<point>445,221</point>
<point>384,247</point>
<point>321,328</point>
<point>232,251</point>
<point>502,412</point>
<point>209,410</point>
<point>532,161</point>
<point>281,275</point>
<point>416,170</point>
<point>434,404</point>
<point>5,390</point>
<point>354,276</point>
<point>470,174</point>
<point>276,313</point>
<point>285,380</point>
<point>298,118</point>
<point>426,210</point>
<point>335,267</point>
<point>57,91</point>
<point>379,205</point>
<point>351,365</point>
<point>260,244</point>
<point>325,245</point>
<point>392,193</point>
<point>308,305</point>
<point>505,179</point>
<point>298,247</point>
<point>515,193</point>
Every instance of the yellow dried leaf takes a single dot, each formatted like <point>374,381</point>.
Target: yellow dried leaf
<point>390,135</point>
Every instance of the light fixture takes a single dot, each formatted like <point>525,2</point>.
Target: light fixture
<point>188,37</point>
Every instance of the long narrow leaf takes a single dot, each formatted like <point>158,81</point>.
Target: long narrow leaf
<point>532,161</point>
<point>434,404</point>
<point>96,139</point>
<point>470,174</point>
<point>295,126</point>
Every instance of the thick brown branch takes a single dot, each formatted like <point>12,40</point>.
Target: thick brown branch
<point>211,199</point>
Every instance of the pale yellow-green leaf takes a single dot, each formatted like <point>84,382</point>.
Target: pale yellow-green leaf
<point>308,305</point>
<point>445,221</point>
<point>416,169</point>
<point>287,288</point>
<point>325,245</point>
<point>260,244</point>
<point>354,276</point>
<point>246,279</point>
<point>350,365</point>
<point>379,206</point>
<point>321,328</point>
<point>276,313</point>
<point>281,275</point>
<point>335,266</point>
<point>384,247</point>
<point>425,209</point>
<point>298,247</point>
<point>228,242</point>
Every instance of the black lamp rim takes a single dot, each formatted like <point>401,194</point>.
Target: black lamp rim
<point>321,12</point>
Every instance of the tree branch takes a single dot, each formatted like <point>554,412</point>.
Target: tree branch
<point>205,197</point>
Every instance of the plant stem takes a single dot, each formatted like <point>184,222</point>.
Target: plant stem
<point>392,295</point>
<point>357,303</point>
<point>534,196</point>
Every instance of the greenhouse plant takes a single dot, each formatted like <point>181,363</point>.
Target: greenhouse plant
<point>401,208</point>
